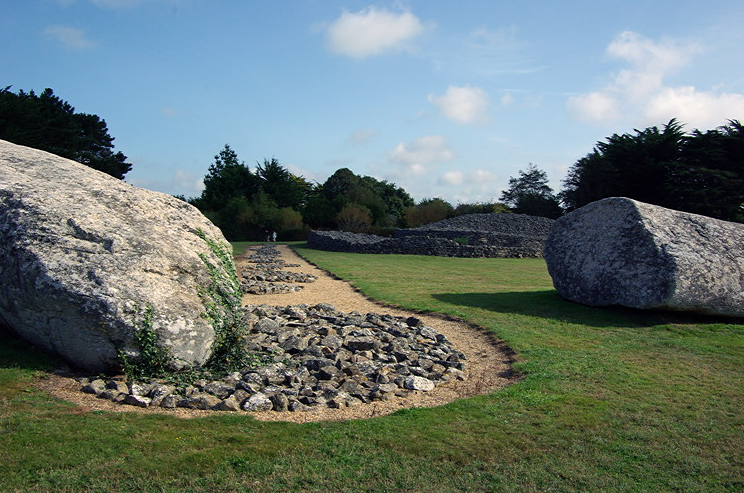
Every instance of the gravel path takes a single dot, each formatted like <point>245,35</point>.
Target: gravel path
<point>487,370</point>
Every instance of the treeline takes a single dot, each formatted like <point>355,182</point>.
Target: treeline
<point>46,122</point>
<point>700,172</point>
<point>252,204</point>
<point>248,204</point>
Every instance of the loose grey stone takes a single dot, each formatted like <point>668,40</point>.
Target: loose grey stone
<point>279,402</point>
<point>320,376</point>
<point>137,400</point>
<point>95,387</point>
<point>229,404</point>
<point>138,389</point>
<point>219,389</point>
<point>159,392</point>
<point>109,394</point>
<point>258,402</point>
<point>170,401</point>
<point>200,401</point>
<point>240,396</point>
<point>117,385</point>
<point>418,383</point>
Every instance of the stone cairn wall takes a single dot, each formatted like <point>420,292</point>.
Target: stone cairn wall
<point>473,235</point>
<point>318,358</point>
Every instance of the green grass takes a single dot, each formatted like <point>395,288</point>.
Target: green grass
<point>612,400</point>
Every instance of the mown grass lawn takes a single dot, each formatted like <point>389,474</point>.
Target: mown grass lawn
<point>612,400</point>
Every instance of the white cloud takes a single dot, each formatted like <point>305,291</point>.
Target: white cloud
<point>483,176</point>
<point>467,105</point>
<point>180,182</point>
<point>69,37</point>
<point>594,107</point>
<point>186,180</point>
<point>451,178</point>
<point>422,152</point>
<point>478,179</point>
<point>507,99</point>
<point>372,32</point>
<point>698,109</point>
<point>639,92</point>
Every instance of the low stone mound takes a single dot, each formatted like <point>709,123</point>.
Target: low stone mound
<point>266,276</point>
<point>265,287</point>
<point>86,260</point>
<point>324,359</point>
<point>499,223</point>
<point>443,242</point>
<point>619,251</point>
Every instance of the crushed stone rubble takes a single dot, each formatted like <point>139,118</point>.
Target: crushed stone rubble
<point>323,358</point>
<point>320,358</point>
<point>266,276</point>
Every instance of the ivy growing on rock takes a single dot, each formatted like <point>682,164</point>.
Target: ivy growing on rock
<point>222,304</point>
<point>153,360</point>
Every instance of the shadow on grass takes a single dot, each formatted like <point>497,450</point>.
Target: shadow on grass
<point>549,304</point>
<point>17,353</point>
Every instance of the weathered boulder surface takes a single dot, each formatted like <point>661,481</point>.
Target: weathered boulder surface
<point>619,251</point>
<point>83,256</point>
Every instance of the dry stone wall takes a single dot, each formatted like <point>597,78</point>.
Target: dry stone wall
<point>472,235</point>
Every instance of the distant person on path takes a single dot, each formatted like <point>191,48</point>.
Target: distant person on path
<point>273,236</point>
<point>268,236</point>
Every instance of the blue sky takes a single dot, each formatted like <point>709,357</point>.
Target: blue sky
<point>446,99</point>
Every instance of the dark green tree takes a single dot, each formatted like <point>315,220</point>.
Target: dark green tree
<point>286,189</point>
<point>529,193</point>
<point>394,199</point>
<point>427,211</point>
<point>50,124</point>
<point>226,179</point>
<point>383,201</point>
<point>701,172</point>
<point>339,187</point>
<point>318,211</point>
<point>480,208</point>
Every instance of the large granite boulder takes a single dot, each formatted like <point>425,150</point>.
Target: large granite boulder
<point>619,251</point>
<point>86,259</point>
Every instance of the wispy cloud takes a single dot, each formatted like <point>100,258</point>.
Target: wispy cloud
<point>371,32</point>
<point>180,182</point>
<point>363,136</point>
<point>486,52</point>
<point>69,37</point>
<point>639,91</point>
